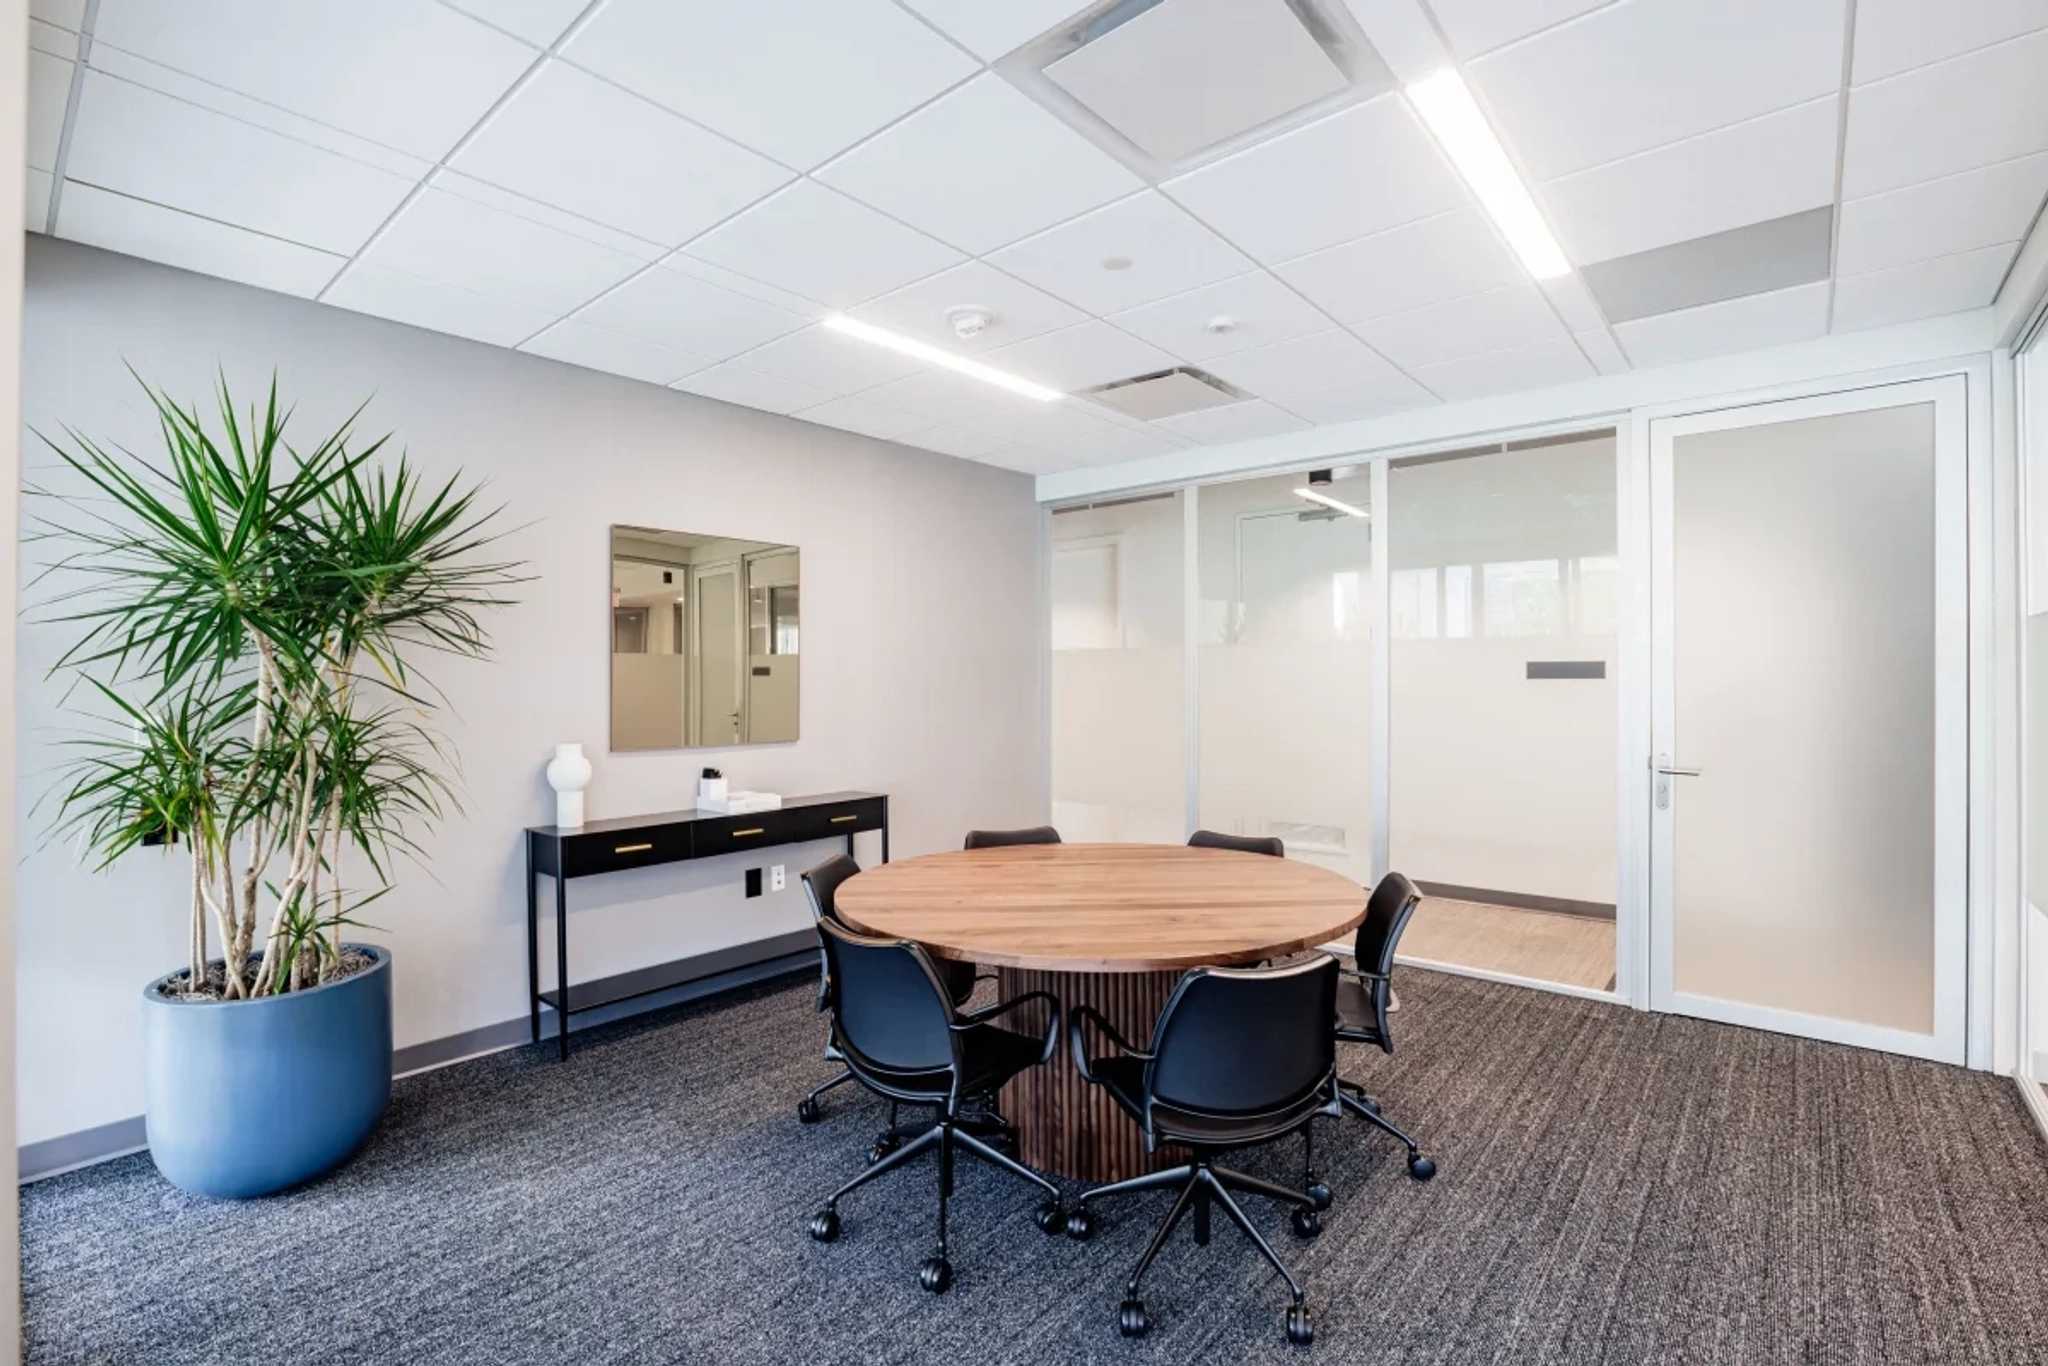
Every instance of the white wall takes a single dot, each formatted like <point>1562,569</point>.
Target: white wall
<point>920,620</point>
<point>13,142</point>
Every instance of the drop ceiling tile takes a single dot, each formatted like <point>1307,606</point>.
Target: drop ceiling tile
<point>1405,268</point>
<point>1958,213</point>
<point>818,243</point>
<point>1574,302</point>
<point>1117,443</point>
<point>797,80</point>
<point>1897,35</point>
<point>68,14</point>
<point>1234,422</point>
<point>741,284</point>
<point>37,209</point>
<point>51,40</point>
<point>1260,309</point>
<point>980,168</point>
<point>1479,26</point>
<point>547,215</point>
<point>1600,348</point>
<point>407,73</point>
<point>444,237</point>
<point>1404,37</point>
<point>994,28</point>
<point>1635,76</point>
<point>1947,284</point>
<point>947,396</point>
<point>574,141</point>
<point>1514,315</point>
<point>1785,315</point>
<point>1289,195</point>
<point>1766,168</point>
<point>1971,111</point>
<point>1325,377</point>
<point>919,310</point>
<point>594,348</point>
<point>753,389</point>
<point>831,361</point>
<point>136,228</point>
<point>430,304</point>
<point>1165,250</point>
<point>49,92</point>
<point>1557,361</point>
<point>1756,259</point>
<point>1081,357</point>
<point>539,22</point>
<point>861,415</point>
<point>962,442</point>
<point>1044,425</point>
<point>136,142</point>
<point>670,309</point>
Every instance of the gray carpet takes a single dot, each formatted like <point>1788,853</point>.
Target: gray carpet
<point>1616,1187</point>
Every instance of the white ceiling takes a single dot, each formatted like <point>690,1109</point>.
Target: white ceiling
<point>678,190</point>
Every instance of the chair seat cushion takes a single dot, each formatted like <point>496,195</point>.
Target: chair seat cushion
<point>1356,1021</point>
<point>991,1056</point>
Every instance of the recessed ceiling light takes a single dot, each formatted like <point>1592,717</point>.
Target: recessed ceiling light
<point>932,355</point>
<point>1327,501</point>
<point>1453,115</point>
<point>1116,263</point>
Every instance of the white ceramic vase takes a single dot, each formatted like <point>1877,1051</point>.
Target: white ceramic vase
<point>568,775</point>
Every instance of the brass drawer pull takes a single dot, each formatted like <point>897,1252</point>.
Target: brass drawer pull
<point>755,831</point>
<point>632,849</point>
<point>837,819</point>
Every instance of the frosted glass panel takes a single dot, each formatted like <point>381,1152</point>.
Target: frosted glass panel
<point>1501,782</point>
<point>1119,769</point>
<point>1285,659</point>
<point>1803,609</point>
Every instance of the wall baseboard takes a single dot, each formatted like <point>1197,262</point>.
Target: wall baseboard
<point>103,1143</point>
<point>1521,901</point>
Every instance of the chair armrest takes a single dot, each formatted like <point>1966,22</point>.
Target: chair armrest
<point>975,1019</point>
<point>1077,1040</point>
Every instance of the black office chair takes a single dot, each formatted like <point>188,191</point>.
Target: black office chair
<point>1364,997</point>
<point>999,839</point>
<point>1240,1056</point>
<point>821,886</point>
<point>1243,844</point>
<point>895,1023</point>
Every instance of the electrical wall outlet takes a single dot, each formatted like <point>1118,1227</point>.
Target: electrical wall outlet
<point>777,878</point>
<point>753,882</point>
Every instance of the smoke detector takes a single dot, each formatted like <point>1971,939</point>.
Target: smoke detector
<point>970,321</point>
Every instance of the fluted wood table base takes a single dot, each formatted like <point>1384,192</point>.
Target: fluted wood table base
<point>1066,1126</point>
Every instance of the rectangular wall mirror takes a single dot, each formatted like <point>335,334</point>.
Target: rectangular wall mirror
<point>704,640</point>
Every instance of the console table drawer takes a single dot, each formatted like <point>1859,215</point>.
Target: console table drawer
<point>831,822</point>
<point>583,855</point>
<point>733,834</point>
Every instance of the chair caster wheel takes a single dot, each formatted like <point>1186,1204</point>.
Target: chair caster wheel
<point>1420,1167</point>
<point>1131,1320</point>
<point>1319,1193</point>
<point>1051,1218</point>
<point>1080,1224</point>
<point>808,1111</point>
<point>936,1275</point>
<point>1300,1331</point>
<point>825,1225</point>
<point>1307,1223</point>
<point>883,1146</point>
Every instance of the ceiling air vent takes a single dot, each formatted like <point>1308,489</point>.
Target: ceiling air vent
<point>1168,393</point>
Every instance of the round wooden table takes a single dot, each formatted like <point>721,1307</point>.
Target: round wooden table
<point>1111,926</point>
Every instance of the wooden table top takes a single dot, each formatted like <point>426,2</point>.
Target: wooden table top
<point>1103,907</point>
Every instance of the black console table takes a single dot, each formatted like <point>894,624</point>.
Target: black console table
<point>611,846</point>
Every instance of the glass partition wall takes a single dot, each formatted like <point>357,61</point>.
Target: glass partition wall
<point>1213,665</point>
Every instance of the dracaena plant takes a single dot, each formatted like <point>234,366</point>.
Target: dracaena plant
<point>250,615</point>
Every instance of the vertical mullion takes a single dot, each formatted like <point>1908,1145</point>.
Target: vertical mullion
<point>1382,672</point>
<point>1191,671</point>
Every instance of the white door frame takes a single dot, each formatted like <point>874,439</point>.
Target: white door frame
<point>1955,678</point>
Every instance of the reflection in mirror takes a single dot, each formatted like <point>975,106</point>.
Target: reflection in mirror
<point>704,640</point>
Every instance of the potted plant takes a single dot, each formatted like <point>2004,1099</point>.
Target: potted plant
<point>249,619</point>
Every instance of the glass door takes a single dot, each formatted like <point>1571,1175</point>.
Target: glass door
<point>1810,667</point>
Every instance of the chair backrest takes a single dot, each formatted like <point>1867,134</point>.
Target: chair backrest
<point>889,1008</point>
<point>1246,1041</point>
<point>822,883</point>
<point>997,839</point>
<point>1386,915</point>
<point>1243,844</point>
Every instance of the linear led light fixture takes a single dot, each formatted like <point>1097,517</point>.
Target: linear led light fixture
<point>1453,115</point>
<point>1327,501</point>
<point>932,355</point>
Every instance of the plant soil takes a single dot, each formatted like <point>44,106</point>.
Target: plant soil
<point>178,987</point>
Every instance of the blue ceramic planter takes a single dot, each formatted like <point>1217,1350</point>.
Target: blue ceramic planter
<point>247,1098</point>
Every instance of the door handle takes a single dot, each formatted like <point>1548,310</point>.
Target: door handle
<point>1672,771</point>
<point>1665,770</point>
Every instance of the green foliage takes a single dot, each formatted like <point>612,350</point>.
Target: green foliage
<point>249,618</point>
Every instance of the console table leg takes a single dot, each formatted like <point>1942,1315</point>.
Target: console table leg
<point>561,966</point>
<point>532,950</point>
<point>885,829</point>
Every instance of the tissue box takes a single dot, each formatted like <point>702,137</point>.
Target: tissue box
<point>740,803</point>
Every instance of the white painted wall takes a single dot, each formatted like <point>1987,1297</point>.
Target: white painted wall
<point>920,620</point>
<point>13,143</point>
